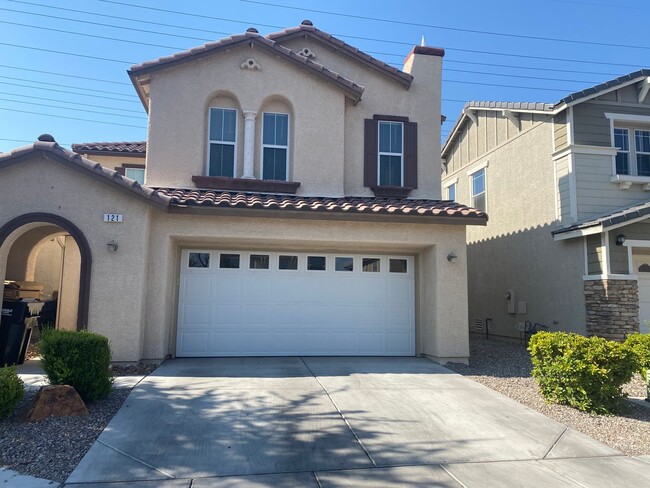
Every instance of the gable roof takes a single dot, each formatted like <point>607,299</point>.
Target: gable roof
<point>306,28</point>
<point>550,108</point>
<point>607,86</point>
<point>123,148</point>
<point>250,37</point>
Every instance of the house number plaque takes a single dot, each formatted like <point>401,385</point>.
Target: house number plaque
<point>113,217</point>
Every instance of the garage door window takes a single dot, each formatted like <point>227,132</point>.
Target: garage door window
<point>259,261</point>
<point>398,266</point>
<point>371,265</point>
<point>229,261</point>
<point>344,264</point>
<point>288,262</point>
<point>316,263</point>
<point>199,260</point>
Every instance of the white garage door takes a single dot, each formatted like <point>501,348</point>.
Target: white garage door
<point>234,303</point>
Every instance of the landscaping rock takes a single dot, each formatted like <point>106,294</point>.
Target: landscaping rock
<point>56,401</point>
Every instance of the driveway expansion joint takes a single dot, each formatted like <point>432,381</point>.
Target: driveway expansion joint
<point>555,443</point>
<point>340,413</point>
<point>136,459</point>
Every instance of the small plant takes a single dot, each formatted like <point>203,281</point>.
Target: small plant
<point>79,359</point>
<point>12,391</point>
<point>587,373</point>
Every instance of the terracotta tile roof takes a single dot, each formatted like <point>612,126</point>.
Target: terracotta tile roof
<point>76,161</point>
<point>353,89</point>
<point>344,47</point>
<point>350,205</point>
<point>138,147</point>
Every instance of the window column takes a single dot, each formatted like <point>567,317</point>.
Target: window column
<point>249,143</point>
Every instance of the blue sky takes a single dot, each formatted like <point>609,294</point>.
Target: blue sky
<point>79,97</point>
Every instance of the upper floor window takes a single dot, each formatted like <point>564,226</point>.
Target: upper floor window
<point>391,154</point>
<point>633,159</point>
<point>275,146</point>
<point>223,142</point>
<point>478,190</point>
<point>451,192</point>
<point>136,174</point>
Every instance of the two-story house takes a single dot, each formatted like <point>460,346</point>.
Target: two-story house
<point>290,206</point>
<point>567,189</point>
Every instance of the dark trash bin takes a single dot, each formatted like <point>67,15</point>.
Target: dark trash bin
<point>15,332</point>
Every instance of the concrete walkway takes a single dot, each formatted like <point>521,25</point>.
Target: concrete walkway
<point>338,422</point>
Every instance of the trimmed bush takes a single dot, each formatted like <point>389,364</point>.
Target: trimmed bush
<point>640,344</point>
<point>587,373</point>
<point>79,359</point>
<point>12,391</point>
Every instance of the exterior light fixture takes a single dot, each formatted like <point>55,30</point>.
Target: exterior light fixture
<point>112,245</point>
<point>620,239</point>
<point>452,257</point>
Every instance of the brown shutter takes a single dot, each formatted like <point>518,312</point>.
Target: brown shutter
<point>370,152</point>
<point>410,154</point>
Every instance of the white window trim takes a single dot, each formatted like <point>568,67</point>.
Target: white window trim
<point>275,146</point>
<point>448,186</point>
<point>380,153</point>
<point>210,141</point>
<point>471,187</point>
<point>126,171</point>
<point>478,167</point>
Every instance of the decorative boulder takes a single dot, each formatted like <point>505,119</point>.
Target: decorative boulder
<point>56,401</point>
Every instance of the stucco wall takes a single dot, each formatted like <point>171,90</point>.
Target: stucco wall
<point>326,140</point>
<point>441,290</point>
<point>118,279</point>
<point>516,251</point>
<point>113,161</point>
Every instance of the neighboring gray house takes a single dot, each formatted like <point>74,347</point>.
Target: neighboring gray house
<point>567,188</point>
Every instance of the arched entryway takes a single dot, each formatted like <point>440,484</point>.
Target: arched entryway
<point>33,238</point>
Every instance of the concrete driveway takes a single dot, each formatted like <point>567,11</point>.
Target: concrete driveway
<point>338,422</point>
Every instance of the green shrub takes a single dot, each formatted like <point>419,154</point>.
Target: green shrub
<point>79,359</point>
<point>640,344</point>
<point>587,373</point>
<point>12,391</point>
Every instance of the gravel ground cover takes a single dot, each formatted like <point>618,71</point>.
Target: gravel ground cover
<point>505,367</point>
<point>52,448</point>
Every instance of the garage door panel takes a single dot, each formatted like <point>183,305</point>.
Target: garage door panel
<point>195,287</point>
<point>196,314</point>
<point>273,312</point>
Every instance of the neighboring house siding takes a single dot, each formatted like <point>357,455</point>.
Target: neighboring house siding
<point>596,194</point>
<point>592,128</point>
<point>618,254</point>
<point>594,254</point>
<point>563,190</point>
<point>516,250</point>
<point>560,134</point>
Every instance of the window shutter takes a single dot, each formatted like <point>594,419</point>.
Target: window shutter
<point>371,128</point>
<point>410,154</point>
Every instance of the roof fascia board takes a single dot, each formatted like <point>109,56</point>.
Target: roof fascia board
<point>644,88</point>
<point>321,215</point>
<point>587,231</point>
<point>603,92</point>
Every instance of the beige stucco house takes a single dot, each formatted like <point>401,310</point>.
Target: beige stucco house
<point>567,187</point>
<point>290,206</point>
